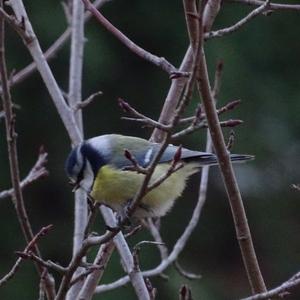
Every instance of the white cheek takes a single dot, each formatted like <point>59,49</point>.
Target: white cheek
<point>88,178</point>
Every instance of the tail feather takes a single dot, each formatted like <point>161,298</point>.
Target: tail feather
<point>211,159</point>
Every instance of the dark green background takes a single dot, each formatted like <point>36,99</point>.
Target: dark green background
<point>261,68</point>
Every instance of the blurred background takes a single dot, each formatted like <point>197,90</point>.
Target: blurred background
<point>261,67</point>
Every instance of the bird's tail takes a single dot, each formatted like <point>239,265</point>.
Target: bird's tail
<point>211,159</point>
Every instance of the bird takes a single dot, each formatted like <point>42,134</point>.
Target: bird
<point>100,166</point>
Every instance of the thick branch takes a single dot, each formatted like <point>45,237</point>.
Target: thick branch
<point>240,220</point>
<point>74,99</point>
<point>25,30</point>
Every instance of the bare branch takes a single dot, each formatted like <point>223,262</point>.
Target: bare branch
<point>272,6</point>
<point>11,137</point>
<point>173,97</point>
<point>23,26</point>
<point>225,31</point>
<point>158,61</point>
<point>102,258</point>
<point>87,101</point>
<point>184,273</point>
<point>157,237</point>
<point>28,248</point>
<point>241,225</point>
<point>279,291</point>
<point>210,13</point>
<point>140,117</point>
<point>135,275</point>
<point>38,171</point>
<point>43,263</point>
<point>74,100</point>
<point>52,50</point>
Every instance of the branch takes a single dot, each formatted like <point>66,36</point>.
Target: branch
<point>135,275</point>
<point>52,50</point>
<point>87,101</point>
<point>13,159</point>
<point>38,171</point>
<point>88,289</point>
<point>272,6</point>
<point>28,248</point>
<point>210,13</point>
<point>158,61</point>
<point>140,117</point>
<point>225,31</point>
<point>279,291</point>
<point>153,229</point>
<point>75,99</point>
<point>24,28</point>
<point>43,263</point>
<point>240,220</point>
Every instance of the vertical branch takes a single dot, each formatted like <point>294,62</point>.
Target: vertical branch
<point>74,98</point>
<point>210,13</point>
<point>31,42</point>
<point>135,275</point>
<point>88,289</point>
<point>240,220</point>
<point>76,59</point>
<point>11,137</point>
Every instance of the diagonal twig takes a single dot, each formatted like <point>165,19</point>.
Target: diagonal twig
<point>37,171</point>
<point>225,31</point>
<point>158,61</point>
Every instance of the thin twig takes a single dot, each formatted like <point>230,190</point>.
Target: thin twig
<point>52,50</point>
<point>193,128</point>
<point>158,61</point>
<point>184,273</point>
<point>28,248</point>
<point>225,31</point>
<point>279,291</point>
<point>43,263</point>
<point>139,117</point>
<point>157,237</point>
<point>87,101</point>
<point>37,171</point>
<point>272,6</point>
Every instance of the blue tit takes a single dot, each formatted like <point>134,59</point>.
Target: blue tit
<point>99,166</point>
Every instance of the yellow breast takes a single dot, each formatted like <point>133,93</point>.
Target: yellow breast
<point>116,187</point>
